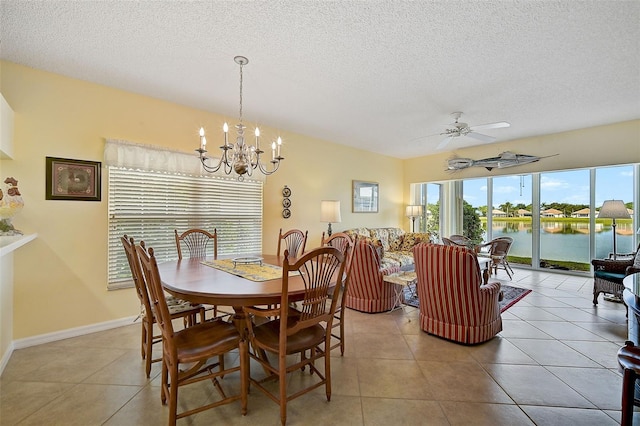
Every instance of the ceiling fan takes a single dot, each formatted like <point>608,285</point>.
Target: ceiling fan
<point>462,129</point>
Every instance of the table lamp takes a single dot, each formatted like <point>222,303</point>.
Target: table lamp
<point>330,212</point>
<point>614,209</point>
<point>413,212</point>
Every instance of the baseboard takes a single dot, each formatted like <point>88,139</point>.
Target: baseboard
<point>61,335</point>
<point>71,332</point>
<point>5,358</point>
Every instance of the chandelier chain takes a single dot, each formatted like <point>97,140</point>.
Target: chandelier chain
<point>241,65</point>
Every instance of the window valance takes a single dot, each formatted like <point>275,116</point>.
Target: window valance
<point>121,153</point>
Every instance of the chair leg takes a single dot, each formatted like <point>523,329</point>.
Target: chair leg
<point>143,339</point>
<point>327,369</point>
<point>148,347</point>
<point>628,391</point>
<point>341,334</point>
<point>282,383</point>
<point>244,375</point>
<point>173,396</point>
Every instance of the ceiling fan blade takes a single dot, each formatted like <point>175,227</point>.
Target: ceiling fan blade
<point>444,142</point>
<point>498,125</point>
<point>481,137</point>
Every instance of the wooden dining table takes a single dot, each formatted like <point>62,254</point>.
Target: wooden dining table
<point>191,280</point>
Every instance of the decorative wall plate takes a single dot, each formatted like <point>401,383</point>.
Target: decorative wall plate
<point>286,213</point>
<point>286,192</point>
<point>286,203</point>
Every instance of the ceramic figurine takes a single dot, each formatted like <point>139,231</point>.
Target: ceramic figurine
<point>10,204</point>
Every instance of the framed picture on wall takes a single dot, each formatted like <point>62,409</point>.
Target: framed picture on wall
<point>365,197</point>
<point>68,179</point>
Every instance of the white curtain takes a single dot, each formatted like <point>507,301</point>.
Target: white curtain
<point>121,153</point>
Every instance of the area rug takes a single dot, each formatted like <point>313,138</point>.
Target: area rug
<point>511,296</point>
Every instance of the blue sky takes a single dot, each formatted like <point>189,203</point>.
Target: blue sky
<point>563,187</point>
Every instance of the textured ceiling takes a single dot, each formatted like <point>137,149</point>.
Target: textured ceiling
<point>379,75</point>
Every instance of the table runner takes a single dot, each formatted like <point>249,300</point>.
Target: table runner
<point>253,272</point>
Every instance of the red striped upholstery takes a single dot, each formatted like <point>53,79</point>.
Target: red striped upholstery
<point>367,292</point>
<point>453,302</point>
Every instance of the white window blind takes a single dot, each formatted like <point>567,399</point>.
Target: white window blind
<point>149,205</point>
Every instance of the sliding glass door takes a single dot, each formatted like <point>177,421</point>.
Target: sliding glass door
<point>552,216</point>
<point>512,213</point>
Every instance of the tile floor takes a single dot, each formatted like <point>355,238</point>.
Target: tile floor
<point>553,364</point>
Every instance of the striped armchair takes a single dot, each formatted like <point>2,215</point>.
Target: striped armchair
<point>453,302</point>
<point>367,292</point>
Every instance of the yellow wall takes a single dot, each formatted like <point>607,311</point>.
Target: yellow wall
<point>61,277</point>
<point>597,146</point>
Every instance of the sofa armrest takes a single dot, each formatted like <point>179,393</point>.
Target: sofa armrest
<point>490,288</point>
<point>390,270</point>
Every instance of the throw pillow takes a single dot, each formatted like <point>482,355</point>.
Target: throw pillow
<point>396,243</point>
<point>381,234</point>
<point>413,238</point>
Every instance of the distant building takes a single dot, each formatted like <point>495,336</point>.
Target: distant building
<point>523,213</point>
<point>551,213</point>
<point>581,213</point>
<point>498,213</point>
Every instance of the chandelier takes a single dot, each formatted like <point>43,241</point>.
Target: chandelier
<point>239,156</point>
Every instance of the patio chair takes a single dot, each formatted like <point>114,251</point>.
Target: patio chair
<point>498,250</point>
<point>609,273</point>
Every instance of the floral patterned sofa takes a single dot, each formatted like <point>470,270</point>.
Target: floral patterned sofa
<point>378,252</point>
<point>394,245</point>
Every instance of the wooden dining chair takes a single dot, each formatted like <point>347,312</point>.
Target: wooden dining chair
<point>309,330</point>
<point>187,353</point>
<point>295,241</point>
<point>345,244</point>
<point>178,308</point>
<point>200,244</point>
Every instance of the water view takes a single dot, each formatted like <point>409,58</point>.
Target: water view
<point>565,240</point>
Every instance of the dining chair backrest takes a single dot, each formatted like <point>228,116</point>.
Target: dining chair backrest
<point>341,241</point>
<point>198,242</point>
<point>151,274</point>
<point>142,290</point>
<point>319,269</point>
<point>295,241</point>
<point>345,243</point>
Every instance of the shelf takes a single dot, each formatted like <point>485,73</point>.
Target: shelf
<point>9,244</point>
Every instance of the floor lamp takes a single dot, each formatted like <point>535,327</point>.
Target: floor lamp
<point>330,212</point>
<point>614,209</point>
<point>413,212</point>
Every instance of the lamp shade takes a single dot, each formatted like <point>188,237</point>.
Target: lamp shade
<point>614,209</point>
<point>414,211</point>
<point>330,211</point>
